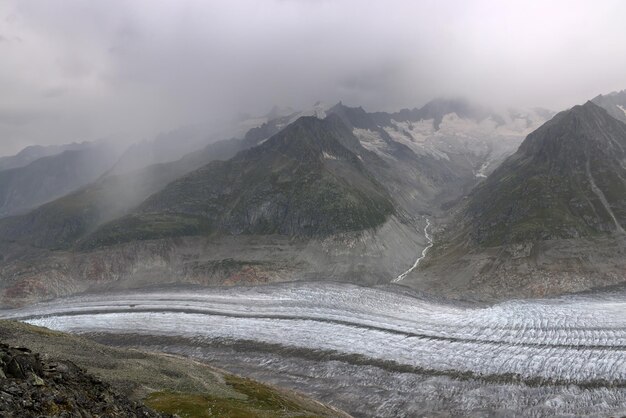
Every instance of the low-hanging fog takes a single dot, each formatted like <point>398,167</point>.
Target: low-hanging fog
<point>83,70</point>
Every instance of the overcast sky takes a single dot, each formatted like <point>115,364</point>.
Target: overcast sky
<point>80,70</point>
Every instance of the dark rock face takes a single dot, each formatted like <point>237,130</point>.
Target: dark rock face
<point>32,387</point>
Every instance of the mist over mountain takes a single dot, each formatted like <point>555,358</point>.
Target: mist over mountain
<point>135,70</point>
<point>302,185</point>
<point>50,177</point>
<point>35,152</point>
<point>165,147</point>
<point>302,181</point>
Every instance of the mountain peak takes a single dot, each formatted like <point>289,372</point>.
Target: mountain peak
<point>306,180</point>
<point>571,132</point>
<point>353,117</point>
<point>614,103</point>
<point>565,181</point>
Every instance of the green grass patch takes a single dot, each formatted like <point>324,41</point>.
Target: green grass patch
<point>259,400</point>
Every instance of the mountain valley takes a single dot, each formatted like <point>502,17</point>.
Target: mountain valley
<point>269,208</point>
<point>340,198</point>
<point>436,217</point>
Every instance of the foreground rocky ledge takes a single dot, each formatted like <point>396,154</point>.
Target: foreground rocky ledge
<point>76,377</point>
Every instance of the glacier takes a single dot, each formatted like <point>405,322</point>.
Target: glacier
<point>569,351</point>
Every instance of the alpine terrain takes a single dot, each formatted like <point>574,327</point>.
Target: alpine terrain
<point>341,195</point>
<point>238,209</point>
<point>549,220</point>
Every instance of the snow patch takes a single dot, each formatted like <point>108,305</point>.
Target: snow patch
<point>371,140</point>
<point>483,169</point>
<point>492,138</point>
<point>328,156</point>
<point>416,135</point>
<point>622,108</point>
<point>416,131</point>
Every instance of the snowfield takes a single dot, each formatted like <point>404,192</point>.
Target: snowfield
<point>575,343</point>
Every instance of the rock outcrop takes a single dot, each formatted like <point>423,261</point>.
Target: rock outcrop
<point>31,386</point>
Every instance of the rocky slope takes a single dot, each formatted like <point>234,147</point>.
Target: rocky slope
<point>549,220</point>
<point>30,386</point>
<point>306,203</point>
<point>74,376</point>
<point>58,224</point>
<point>419,182</point>
<point>61,222</point>
<point>339,198</point>
<point>304,181</point>
<point>565,181</point>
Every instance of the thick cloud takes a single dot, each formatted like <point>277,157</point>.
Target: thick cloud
<point>80,70</point>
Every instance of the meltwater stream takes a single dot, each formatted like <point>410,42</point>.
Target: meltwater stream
<point>421,257</point>
<point>379,352</point>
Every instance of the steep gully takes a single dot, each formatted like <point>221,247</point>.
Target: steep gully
<point>596,190</point>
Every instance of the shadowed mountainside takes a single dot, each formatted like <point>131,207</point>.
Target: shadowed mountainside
<point>340,198</point>
<point>303,181</point>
